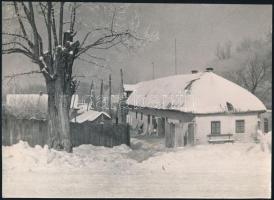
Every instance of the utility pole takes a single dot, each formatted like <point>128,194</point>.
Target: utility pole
<point>153,72</point>
<point>175,57</point>
<point>120,113</point>
<point>109,96</point>
<point>101,96</point>
<point>90,98</point>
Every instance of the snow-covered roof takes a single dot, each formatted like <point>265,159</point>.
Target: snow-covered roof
<point>27,106</point>
<point>90,115</point>
<point>199,93</point>
<point>130,87</point>
<point>31,106</point>
<point>82,108</point>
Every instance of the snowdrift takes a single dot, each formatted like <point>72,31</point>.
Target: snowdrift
<point>145,170</point>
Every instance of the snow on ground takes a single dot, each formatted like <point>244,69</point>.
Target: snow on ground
<point>147,169</point>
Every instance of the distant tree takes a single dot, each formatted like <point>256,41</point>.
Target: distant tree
<point>223,51</point>
<point>254,73</point>
<point>253,61</point>
<point>56,52</point>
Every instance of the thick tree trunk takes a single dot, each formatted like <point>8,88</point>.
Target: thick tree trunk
<point>59,96</point>
<point>60,88</point>
<point>58,122</point>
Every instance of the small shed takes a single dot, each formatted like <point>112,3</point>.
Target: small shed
<point>92,116</point>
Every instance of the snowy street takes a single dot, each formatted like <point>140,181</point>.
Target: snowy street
<point>227,170</point>
<point>136,100</point>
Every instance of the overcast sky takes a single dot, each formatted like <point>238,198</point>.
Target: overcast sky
<point>198,28</point>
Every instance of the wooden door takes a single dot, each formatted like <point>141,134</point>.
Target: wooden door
<point>190,135</point>
<point>170,135</point>
<point>161,127</point>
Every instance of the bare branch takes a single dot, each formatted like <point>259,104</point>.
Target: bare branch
<point>19,44</point>
<point>22,74</point>
<point>108,47</point>
<point>13,18</point>
<point>19,36</point>
<point>19,51</point>
<point>54,28</point>
<point>43,12</point>
<point>61,22</point>
<point>105,40</point>
<point>96,57</point>
<point>77,76</point>
<point>72,17</point>
<point>13,76</point>
<point>19,19</point>
<point>112,21</point>
<point>85,38</point>
<point>27,12</point>
<point>91,62</point>
<point>97,29</point>
<point>49,27</point>
<point>38,45</point>
<point>37,37</point>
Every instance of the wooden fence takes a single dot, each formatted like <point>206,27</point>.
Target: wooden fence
<point>32,131</point>
<point>35,132</point>
<point>108,135</point>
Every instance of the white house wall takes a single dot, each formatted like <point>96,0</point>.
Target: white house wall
<point>203,126</point>
<point>173,117</point>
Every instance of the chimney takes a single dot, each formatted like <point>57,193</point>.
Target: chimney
<point>209,69</point>
<point>194,71</point>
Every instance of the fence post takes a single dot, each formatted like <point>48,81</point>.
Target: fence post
<point>111,137</point>
<point>128,134</point>
<point>101,135</point>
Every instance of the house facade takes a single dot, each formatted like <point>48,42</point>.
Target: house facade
<point>195,108</point>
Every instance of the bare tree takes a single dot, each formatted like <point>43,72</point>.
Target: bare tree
<point>251,66</point>
<point>223,51</point>
<point>56,63</point>
<point>253,75</point>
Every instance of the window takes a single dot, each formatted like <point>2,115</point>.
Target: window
<point>265,125</point>
<point>215,127</point>
<point>240,126</point>
<point>136,114</point>
<point>141,116</point>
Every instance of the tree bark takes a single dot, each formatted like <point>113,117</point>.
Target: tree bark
<point>60,88</point>
<point>58,116</point>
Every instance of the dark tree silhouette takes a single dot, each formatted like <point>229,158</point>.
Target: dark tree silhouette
<point>56,63</point>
